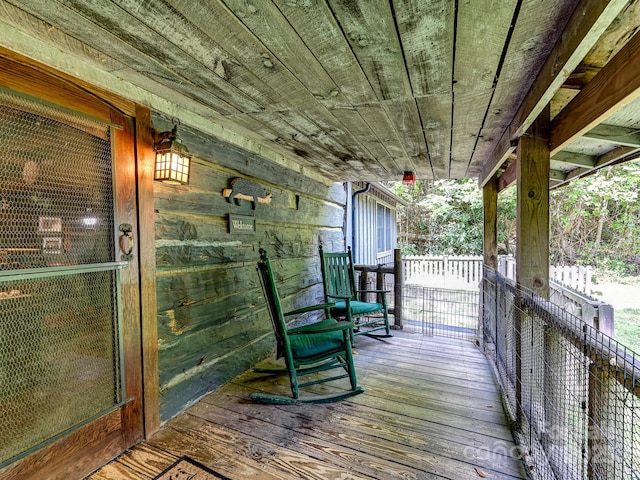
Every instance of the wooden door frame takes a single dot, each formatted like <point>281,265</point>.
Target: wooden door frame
<point>116,431</point>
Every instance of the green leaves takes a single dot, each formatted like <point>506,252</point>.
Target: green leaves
<point>593,221</point>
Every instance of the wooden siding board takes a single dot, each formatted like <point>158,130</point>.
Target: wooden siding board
<point>183,394</point>
<point>251,53</point>
<point>427,32</point>
<point>308,212</point>
<point>479,45</point>
<point>319,30</point>
<point>228,158</point>
<point>138,47</point>
<point>514,82</point>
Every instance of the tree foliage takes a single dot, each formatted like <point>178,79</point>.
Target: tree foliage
<point>443,217</point>
<point>593,221</point>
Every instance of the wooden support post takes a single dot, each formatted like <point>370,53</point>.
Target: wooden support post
<point>398,275</point>
<point>379,282</point>
<point>148,302</point>
<point>532,249</point>
<point>593,438</point>
<point>364,278</point>
<point>490,215</point>
<point>605,322</point>
<point>490,242</point>
<point>532,257</point>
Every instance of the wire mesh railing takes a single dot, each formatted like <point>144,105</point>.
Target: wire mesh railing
<point>571,391</point>
<point>434,311</point>
<point>440,312</point>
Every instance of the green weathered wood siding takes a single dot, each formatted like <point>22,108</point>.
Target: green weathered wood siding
<point>212,324</point>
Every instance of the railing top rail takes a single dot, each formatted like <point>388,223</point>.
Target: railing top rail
<point>573,294</point>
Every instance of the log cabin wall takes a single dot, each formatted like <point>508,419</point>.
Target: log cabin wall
<point>212,321</point>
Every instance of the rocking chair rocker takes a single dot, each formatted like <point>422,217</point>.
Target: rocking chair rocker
<point>338,277</point>
<point>318,347</point>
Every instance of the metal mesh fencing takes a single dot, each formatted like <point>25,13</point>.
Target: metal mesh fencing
<point>60,361</point>
<point>59,341</point>
<point>440,312</point>
<point>56,188</point>
<point>571,391</point>
<point>434,311</point>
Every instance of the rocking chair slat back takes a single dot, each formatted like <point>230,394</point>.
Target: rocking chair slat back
<point>272,297</point>
<point>340,275</point>
<point>339,281</point>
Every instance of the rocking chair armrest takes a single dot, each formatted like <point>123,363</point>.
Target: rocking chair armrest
<point>310,308</point>
<point>321,327</point>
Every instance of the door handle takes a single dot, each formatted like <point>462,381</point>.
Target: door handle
<point>126,241</point>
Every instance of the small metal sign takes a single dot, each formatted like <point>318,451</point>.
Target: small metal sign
<point>242,224</point>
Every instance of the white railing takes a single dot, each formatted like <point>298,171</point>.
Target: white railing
<point>445,271</point>
<point>575,277</point>
<point>466,271</point>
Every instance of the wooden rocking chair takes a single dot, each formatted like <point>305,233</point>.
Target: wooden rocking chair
<point>338,277</point>
<point>321,346</point>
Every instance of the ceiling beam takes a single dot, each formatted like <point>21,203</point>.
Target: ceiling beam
<point>614,87</point>
<point>557,175</point>
<point>575,159</point>
<point>615,155</point>
<point>585,164</point>
<point>509,176</point>
<point>628,137</point>
<point>589,20</point>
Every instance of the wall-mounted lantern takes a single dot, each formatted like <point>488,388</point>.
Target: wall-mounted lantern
<point>173,159</point>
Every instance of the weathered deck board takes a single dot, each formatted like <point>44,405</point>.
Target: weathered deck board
<point>430,410</point>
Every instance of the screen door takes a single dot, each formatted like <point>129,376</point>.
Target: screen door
<point>60,339</point>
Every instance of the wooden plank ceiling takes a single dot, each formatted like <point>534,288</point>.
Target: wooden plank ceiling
<point>359,90</point>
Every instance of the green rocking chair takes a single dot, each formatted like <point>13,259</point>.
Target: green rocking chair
<point>338,278</point>
<point>321,346</point>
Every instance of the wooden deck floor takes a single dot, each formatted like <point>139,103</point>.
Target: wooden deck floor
<point>431,410</point>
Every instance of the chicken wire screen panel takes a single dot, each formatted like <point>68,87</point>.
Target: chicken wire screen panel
<point>56,188</point>
<point>59,341</point>
<point>59,364</point>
